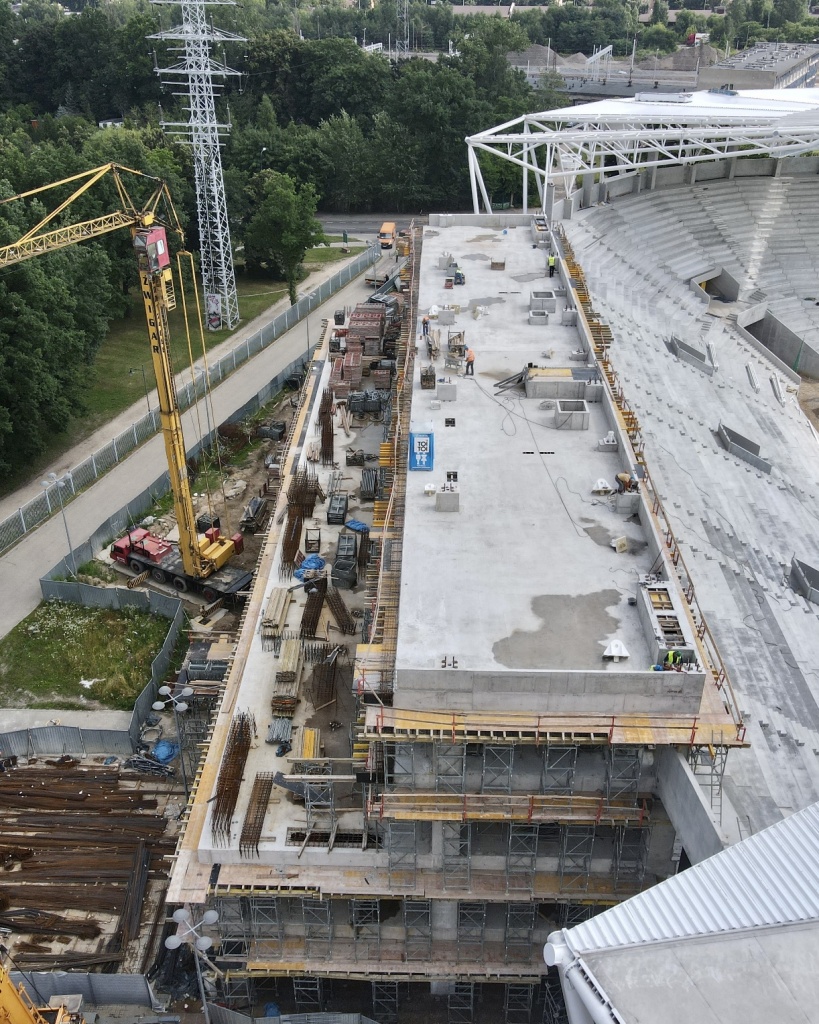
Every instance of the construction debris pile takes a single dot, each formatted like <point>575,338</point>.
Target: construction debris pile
<point>82,853</point>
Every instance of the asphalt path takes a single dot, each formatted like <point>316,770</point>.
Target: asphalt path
<point>22,566</point>
<point>366,225</point>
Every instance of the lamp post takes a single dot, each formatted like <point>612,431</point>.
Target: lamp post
<point>53,480</point>
<point>179,706</point>
<point>262,152</point>
<point>198,943</point>
<point>134,370</point>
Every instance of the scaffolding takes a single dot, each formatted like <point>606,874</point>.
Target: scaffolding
<point>496,769</point>
<point>520,926</point>
<point>554,1006</point>
<point>623,766</point>
<point>308,995</point>
<point>417,929</point>
<point>365,918</point>
<point>385,1001</point>
<point>521,857</point>
<point>399,765</point>
<point>450,767</point>
<point>402,853</point>
<point>631,847</point>
<point>471,930</point>
<point>708,762</point>
<point>457,854</point>
<point>237,992</point>
<point>517,1004</point>
<point>317,920</point>
<point>576,857</point>
<point>266,927</point>
<point>559,764</point>
<point>460,1003</point>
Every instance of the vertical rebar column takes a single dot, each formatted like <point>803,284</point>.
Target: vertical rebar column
<point>196,72</point>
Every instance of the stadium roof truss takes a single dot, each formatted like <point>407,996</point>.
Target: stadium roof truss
<point>617,137</point>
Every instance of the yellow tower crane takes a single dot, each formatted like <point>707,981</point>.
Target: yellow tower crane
<point>17,1008</point>
<point>201,560</point>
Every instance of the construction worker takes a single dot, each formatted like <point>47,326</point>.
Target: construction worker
<point>552,264</point>
<point>672,660</point>
<point>625,482</point>
<point>425,327</point>
<point>470,363</point>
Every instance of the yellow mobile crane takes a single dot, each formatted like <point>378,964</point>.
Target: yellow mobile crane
<point>200,561</point>
<point>17,1008</point>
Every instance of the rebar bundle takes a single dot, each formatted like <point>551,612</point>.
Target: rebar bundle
<point>327,442</point>
<point>323,686</point>
<point>312,609</point>
<point>255,814</point>
<point>291,541</point>
<point>229,782</point>
<point>345,622</point>
<point>303,492</point>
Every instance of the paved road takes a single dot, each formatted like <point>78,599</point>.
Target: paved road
<point>22,566</point>
<point>366,225</point>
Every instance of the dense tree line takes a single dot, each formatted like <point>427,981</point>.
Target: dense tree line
<point>316,120</point>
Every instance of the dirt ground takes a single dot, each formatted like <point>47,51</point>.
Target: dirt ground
<point>809,400</point>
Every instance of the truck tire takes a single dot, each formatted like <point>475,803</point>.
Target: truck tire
<point>180,584</point>
<point>158,575</point>
<point>135,566</point>
<point>209,594</point>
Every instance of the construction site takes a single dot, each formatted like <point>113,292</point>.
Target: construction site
<point>531,625</point>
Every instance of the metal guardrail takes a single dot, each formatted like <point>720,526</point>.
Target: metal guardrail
<point>42,507</point>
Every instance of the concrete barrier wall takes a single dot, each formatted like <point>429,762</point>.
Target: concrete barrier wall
<point>686,806</point>
<point>788,347</point>
<point>753,315</point>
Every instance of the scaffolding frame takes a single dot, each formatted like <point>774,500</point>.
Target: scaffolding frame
<point>576,913</point>
<point>496,769</point>
<point>365,918</point>
<point>554,1005</point>
<point>450,767</point>
<point>456,839</point>
<point>460,1003</point>
<point>623,767</point>
<point>631,847</point>
<point>471,930</point>
<point>385,1001</point>
<point>266,927</point>
<point>237,992</point>
<point>708,761</point>
<point>417,929</point>
<point>317,920</point>
<point>521,857</point>
<point>576,857</point>
<point>308,993</point>
<point>399,765</point>
<point>558,771</point>
<point>402,853</point>
<point>520,926</point>
<point>517,1003</point>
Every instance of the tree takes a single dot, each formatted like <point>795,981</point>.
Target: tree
<point>283,227</point>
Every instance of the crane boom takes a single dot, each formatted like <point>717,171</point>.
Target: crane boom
<point>200,556</point>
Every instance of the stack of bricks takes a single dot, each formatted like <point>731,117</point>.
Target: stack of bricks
<point>367,322</point>
<point>380,379</point>
<point>339,386</point>
<point>352,367</point>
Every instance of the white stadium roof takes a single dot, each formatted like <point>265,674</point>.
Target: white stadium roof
<point>620,136</point>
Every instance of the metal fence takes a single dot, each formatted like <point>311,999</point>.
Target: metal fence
<point>56,740</point>
<point>36,511</point>
<point>97,989</point>
<point>222,1015</point>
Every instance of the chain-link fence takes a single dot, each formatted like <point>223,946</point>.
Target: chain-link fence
<point>36,511</point>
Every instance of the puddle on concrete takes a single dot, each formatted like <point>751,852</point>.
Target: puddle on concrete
<point>481,238</point>
<point>600,535</point>
<point>537,276</point>
<point>573,634</point>
<point>429,233</point>
<point>485,302</point>
<point>475,256</point>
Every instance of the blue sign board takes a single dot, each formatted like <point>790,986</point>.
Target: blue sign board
<point>421,449</point>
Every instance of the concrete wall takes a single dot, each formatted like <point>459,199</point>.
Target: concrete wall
<point>558,692</point>
<point>785,344</point>
<point>751,316</point>
<point>687,807</point>
<point>480,220</point>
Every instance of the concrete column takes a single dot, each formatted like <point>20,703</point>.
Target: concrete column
<point>637,184</point>
<point>588,190</point>
<point>549,203</point>
<point>690,174</point>
<point>778,169</point>
<point>732,168</point>
<point>444,919</point>
<point>652,178</point>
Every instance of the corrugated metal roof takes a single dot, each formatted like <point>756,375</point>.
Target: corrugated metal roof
<point>771,878</point>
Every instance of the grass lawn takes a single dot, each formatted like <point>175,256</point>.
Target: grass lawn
<point>44,659</point>
<point>323,254</point>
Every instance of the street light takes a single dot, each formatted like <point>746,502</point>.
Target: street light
<point>262,152</point>
<point>179,706</point>
<point>52,480</point>
<point>134,370</point>
<point>198,943</point>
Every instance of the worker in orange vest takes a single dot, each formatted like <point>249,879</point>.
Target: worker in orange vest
<point>470,363</point>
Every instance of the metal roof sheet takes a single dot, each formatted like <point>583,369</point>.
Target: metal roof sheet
<point>771,878</point>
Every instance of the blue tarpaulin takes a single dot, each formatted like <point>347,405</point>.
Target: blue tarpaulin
<point>312,562</point>
<point>357,525</point>
<point>165,751</point>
